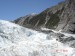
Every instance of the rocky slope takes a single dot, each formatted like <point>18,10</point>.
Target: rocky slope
<point>59,17</point>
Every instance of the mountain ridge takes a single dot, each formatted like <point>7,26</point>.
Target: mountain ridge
<point>58,17</point>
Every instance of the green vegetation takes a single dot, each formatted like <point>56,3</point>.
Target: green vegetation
<point>26,21</point>
<point>53,21</point>
<point>41,18</point>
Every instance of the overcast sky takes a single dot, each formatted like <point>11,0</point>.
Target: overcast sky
<point>13,9</point>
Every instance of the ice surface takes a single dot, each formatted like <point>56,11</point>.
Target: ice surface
<point>19,41</point>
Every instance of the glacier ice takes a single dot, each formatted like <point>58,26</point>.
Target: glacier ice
<point>16,40</point>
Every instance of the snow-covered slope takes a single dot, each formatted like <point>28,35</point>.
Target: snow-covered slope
<point>19,41</point>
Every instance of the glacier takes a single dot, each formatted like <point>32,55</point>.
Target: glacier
<point>16,40</point>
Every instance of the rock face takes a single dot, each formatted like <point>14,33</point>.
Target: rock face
<point>61,16</point>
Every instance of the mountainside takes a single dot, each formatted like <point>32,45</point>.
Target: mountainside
<point>19,41</point>
<point>59,17</point>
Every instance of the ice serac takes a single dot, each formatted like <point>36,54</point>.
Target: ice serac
<point>60,16</point>
<point>19,41</point>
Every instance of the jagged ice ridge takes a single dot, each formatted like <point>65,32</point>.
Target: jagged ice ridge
<point>19,41</point>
